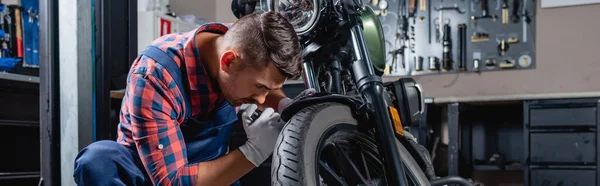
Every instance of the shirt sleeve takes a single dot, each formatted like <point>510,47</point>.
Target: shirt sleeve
<point>155,117</point>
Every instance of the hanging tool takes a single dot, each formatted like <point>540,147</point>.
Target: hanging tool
<point>455,7</point>
<point>383,5</point>
<point>411,8</point>
<point>502,47</point>
<point>462,47</point>
<point>515,11</point>
<point>525,61</point>
<point>507,63</point>
<point>476,61</point>
<point>429,21</point>
<point>396,59</point>
<point>418,63</point>
<point>412,39</point>
<point>447,49</point>
<point>525,21</point>
<point>484,12</point>
<point>440,19</point>
<point>422,4</point>
<point>433,63</point>
<point>504,12</point>
<point>490,63</point>
<point>480,37</point>
<point>19,31</point>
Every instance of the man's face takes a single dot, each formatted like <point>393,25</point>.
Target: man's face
<point>245,84</point>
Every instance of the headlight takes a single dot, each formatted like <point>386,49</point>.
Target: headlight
<point>302,14</point>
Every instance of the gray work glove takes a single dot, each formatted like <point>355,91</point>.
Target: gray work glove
<point>285,102</point>
<point>262,134</point>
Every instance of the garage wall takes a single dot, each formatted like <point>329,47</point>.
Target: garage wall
<point>200,8</point>
<point>223,12</point>
<point>567,58</point>
<point>213,10</point>
<point>568,49</point>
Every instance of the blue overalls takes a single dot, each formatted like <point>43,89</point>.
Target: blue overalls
<point>205,140</point>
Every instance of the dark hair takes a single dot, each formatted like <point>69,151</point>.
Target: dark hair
<point>268,37</point>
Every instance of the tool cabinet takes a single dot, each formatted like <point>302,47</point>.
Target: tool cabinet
<point>561,138</point>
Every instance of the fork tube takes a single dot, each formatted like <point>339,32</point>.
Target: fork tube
<point>336,86</point>
<point>310,81</point>
<point>371,88</point>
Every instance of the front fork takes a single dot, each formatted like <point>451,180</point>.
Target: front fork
<point>372,90</point>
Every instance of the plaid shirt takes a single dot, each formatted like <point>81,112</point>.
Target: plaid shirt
<point>152,108</point>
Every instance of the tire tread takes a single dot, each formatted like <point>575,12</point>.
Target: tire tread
<point>289,144</point>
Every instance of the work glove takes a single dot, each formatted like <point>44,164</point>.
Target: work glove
<point>262,134</point>
<point>285,102</point>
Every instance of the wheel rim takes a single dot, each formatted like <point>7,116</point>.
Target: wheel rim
<point>347,157</point>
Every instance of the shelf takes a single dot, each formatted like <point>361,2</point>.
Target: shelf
<point>19,77</point>
<point>19,123</point>
<point>496,168</point>
<point>18,175</point>
<point>117,94</point>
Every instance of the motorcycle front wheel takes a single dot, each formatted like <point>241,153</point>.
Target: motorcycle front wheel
<point>321,145</point>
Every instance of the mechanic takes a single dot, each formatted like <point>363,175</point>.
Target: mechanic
<point>178,108</point>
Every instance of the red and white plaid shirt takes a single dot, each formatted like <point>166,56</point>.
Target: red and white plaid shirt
<point>152,108</point>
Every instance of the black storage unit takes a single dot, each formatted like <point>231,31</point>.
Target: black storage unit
<point>19,132</point>
<point>561,138</point>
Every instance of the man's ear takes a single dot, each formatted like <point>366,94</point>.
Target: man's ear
<point>228,58</point>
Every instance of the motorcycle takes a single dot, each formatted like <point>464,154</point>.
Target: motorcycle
<point>352,132</point>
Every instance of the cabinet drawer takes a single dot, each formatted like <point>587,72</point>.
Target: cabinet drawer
<point>575,148</point>
<point>562,177</point>
<point>580,116</point>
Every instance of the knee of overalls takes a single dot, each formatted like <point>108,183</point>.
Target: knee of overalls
<point>103,160</point>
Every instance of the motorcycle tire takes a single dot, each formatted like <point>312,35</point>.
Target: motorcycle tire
<point>294,159</point>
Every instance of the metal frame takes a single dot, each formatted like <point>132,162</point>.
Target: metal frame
<point>453,142</point>
<point>49,102</point>
<point>115,50</point>
<point>19,77</point>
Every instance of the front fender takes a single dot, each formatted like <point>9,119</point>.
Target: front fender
<point>298,105</point>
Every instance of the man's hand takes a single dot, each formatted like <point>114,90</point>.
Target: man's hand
<point>285,102</point>
<point>262,134</point>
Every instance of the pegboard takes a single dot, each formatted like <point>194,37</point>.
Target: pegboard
<point>502,39</point>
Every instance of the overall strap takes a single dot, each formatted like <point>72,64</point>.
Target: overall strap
<point>178,73</point>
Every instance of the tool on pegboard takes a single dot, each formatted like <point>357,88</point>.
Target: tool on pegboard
<point>480,37</point>
<point>418,63</point>
<point>515,11</point>
<point>490,63</point>
<point>504,11</point>
<point>447,49</point>
<point>525,21</point>
<point>412,8</point>
<point>507,63</point>
<point>462,47</point>
<point>502,48</point>
<point>440,20</point>
<point>484,12</point>
<point>433,63</point>
<point>476,61</point>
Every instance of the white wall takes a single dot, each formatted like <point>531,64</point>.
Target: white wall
<point>223,12</point>
<point>213,10</point>
<point>199,8</point>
